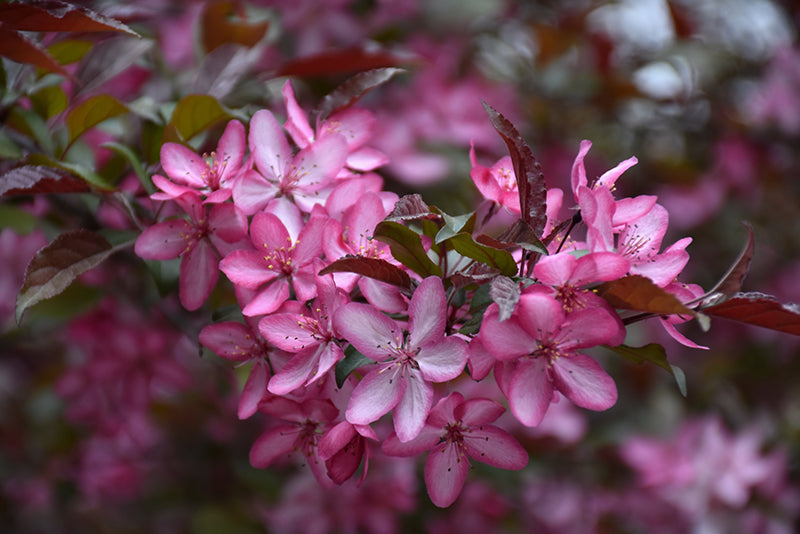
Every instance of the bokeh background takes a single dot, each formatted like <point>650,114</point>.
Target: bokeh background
<point>112,419</point>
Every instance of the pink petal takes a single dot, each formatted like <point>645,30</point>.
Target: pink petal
<point>443,361</point>
<point>183,166</point>
<point>630,209</point>
<point>597,210</point>
<point>376,394</point>
<point>599,267</point>
<point>530,391</point>
<point>296,123</point>
<point>268,299</point>
<point>366,159</point>
<point>354,124</point>
<point>479,411</point>
<point>286,331</point>
<point>427,313</point>
<point>539,314</point>
<point>445,473</point>
<point>318,163</point>
<point>231,149</point>
<point>480,360</point>
<point>165,240</point>
<point>555,270</point>
<point>587,328</point>
<point>505,340</point>
<point>496,447</point>
<point>199,274</point>
<point>582,380</point>
<point>268,145</point>
<point>247,268</point>
<point>294,374</point>
<point>170,189</point>
<point>230,340</point>
<point>412,410</point>
<point>609,178</point>
<point>252,192</point>
<point>254,390</point>
<point>331,354</point>
<point>578,178</point>
<point>444,412</point>
<point>227,222</point>
<point>268,233</point>
<point>273,444</point>
<point>677,336</point>
<point>383,296</point>
<point>335,439</point>
<point>428,437</point>
<point>372,333</point>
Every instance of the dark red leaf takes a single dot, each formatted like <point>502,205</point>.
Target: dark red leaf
<point>19,48</point>
<point>409,208</point>
<point>519,234</point>
<point>353,89</point>
<point>530,179</point>
<point>37,179</point>
<point>638,293</point>
<point>55,16</point>
<point>109,58</point>
<point>337,62</point>
<point>220,28</point>
<point>760,310</point>
<point>58,264</point>
<point>375,268</point>
<point>731,282</point>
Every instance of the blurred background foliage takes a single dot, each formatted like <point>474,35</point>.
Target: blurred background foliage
<point>705,93</point>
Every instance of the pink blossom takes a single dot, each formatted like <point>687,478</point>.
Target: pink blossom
<point>455,431</point>
<point>304,178</point>
<point>537,352</point>
<point>354,124</point>
<point>212,175</point>
<point>344,447</point>
<point>198,241</point>
<point>278,260</point>
<point>407,364</point>
<point>304,422</point>
<point>497,183</point>
<point>309,336</point>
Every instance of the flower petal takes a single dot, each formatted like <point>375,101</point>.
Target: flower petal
<point>443,361</point>
<point>581,379</point>
<point>428,437</point>
<point>268,145</point>
<point>254,390</point>
<point>446,471</point>
<point>272,444</point>
<point>505,340</point>
<point>294,374</point>
<point>374,396</point>
<point>183,166</point>
<point>372,333</point>
<point>530,391</point>
<point>199,274</point>
<point>413,408</point>
<point>165,240</point>
<point>427,313</point>
<point>496,447</point>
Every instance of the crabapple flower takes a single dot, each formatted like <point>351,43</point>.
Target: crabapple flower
<point>406,363</point>
<point>354,124</point>
<point>302,431</point>
<point>343,447</point>
<point>241,343</point>
<point>497,183</point>
<point>457,430</point>
<point>211,175</point>
<point>198,241</point>
<point>309,335</point>
<point>276,262</point>
<point>301,177</point>
<point>537,352</point>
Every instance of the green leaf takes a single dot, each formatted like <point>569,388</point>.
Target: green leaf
<point>58,264</point>
<point>499,259</point>
<point>31,124</point>
<point>454,225</point>
<point>406,247</point>
<point>653,353</point>
<point>8,148</point>
<point>195,114</point>
<point>21,221</point>
<point>136,165</point>
<point>49,101</point>
<point>352,361</point>
<point>69,50</point>
<point>92,112</point>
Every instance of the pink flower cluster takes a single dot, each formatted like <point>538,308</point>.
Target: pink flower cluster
<point>332,353</point>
